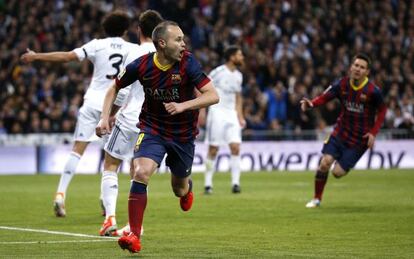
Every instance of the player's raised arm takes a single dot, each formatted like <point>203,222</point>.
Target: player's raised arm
<point>58,56</point>
<point>207,97</point>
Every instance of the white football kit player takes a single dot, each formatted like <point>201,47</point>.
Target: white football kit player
<point>222,126</point>
<point>125,132</point>
<point>108,56</point>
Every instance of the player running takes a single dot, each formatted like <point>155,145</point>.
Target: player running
<point>362,114</point>
<point>168,120</point>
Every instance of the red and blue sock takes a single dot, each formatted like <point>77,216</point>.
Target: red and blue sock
<point>137,202</point>
<point>320,180</point>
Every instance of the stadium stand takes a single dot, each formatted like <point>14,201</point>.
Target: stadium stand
<point>293,49</point>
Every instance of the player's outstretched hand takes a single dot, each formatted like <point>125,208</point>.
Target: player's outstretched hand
<point>174,108</point>
<point>371,139</point>
<point>305,104</point>
<point>28,56</point>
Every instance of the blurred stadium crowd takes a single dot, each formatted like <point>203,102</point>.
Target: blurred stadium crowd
<point>293,48</point>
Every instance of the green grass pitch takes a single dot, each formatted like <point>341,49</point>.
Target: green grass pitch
<point>367,214</point>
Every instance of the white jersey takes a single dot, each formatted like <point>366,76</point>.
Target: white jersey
<point>129,113</point>
<point>228,84</point>
<point>108,57</point>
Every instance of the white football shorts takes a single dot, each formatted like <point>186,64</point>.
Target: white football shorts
<point>121,142</point>
<point>88,118</point>
<point>222,128</point>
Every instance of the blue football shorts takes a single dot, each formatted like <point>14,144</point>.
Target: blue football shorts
<point>346,156</point>
<point>180,155</point>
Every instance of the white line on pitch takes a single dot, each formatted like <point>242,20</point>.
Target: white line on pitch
<point>56,242</point>
<point>53,232</point>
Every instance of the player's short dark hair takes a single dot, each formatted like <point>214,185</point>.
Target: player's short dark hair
<point>115,23</point>
<point>160,31</point>
<point>230,51</point>
<point>148,20</point>
<point>363,56</point>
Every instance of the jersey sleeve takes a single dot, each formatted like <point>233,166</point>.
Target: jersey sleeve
<point>379,103</point>
<point>197,77</point>
<point>377,98</point>
<point>88,50</point>
<point>122,96</point>
<point>128,75</point>
<point>330,93</point>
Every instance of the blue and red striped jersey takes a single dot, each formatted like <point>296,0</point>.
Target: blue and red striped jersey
<point>175,83</point>
<point>362,110</point>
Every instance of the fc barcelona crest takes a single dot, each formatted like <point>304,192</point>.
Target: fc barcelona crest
<point>176,78</point>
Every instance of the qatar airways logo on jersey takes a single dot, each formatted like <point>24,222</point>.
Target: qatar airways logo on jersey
<point>163,94</point>
<point>354,107</point>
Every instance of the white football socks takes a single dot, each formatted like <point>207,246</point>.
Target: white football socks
<point>208,175</point>
<point>109,192</point>
<point>235,169</point>
<point>68,172</point>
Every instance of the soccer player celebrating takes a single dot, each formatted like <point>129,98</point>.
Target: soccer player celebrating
<point>120,144</point>
<point>168,120</point>
<point>225,120</point>
<point>362,114</point>
<point>107,56</point>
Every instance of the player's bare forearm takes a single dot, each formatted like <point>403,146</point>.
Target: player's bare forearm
<point>239,110</point>
<point>207,97</point>
<point>114,109</point>
<point>202,115</point>
<point>239,105</point>
<point>58,56</point>
<point>108,101</point>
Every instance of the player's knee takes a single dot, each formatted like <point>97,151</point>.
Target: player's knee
<point>212,152</point>
<point>179,191</point>
<point>79,147</point>
<point>338,172</point>
<point>325,165</point>
<point>142,174</point>
<point>235,149</point>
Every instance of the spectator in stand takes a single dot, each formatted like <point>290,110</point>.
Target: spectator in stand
<point>276,98</point>
<point>3,130</point>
